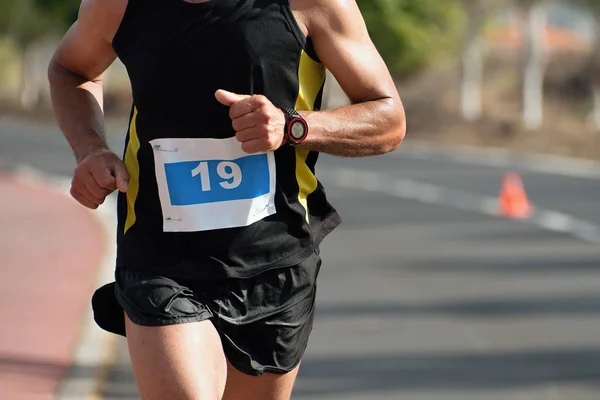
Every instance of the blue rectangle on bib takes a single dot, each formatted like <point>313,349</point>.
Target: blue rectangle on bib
<point>201,182</point>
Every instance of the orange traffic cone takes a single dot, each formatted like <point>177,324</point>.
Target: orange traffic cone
<point>513,202</point>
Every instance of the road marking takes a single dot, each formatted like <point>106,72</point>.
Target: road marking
<point>501,158</point>
<point>95,349</point>
<point>551,220</point>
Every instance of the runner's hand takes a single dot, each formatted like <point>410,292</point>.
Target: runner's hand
<point>97,176</point>
<point>258,124</point>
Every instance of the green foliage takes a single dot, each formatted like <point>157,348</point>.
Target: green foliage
<point>63,12</point>
<point>27,20</point>
<point>410,34</point>
<point>22,22</point>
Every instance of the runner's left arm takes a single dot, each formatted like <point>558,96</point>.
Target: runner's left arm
<point>375,121</point>
<point>373,124</point>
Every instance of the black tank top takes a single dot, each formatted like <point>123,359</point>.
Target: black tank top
<point>177,55</point>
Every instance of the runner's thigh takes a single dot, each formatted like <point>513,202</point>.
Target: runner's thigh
<point>175,351</point>
<point>181,362</point>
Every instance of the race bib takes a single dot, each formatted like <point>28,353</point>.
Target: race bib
<point>207,184</point>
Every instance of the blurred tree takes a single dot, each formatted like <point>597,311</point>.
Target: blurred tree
<point>62,12</point>
<point>472,60</point>
<point>533,15</point>
<point>28,20</point>
<point>23,22</point>
<point>472,55</point>
<point>28,24</point>
<point>412,33</point>
<point>594,7</point>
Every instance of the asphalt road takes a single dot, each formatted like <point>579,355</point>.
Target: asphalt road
<point>421,301</point>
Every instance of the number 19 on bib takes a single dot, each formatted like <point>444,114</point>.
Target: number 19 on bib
<point>207,184</point>
<point>201,182</point>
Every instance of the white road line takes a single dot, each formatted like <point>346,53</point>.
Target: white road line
<point>95,347</point>
<point>501,158</point>
<point>432,194</point>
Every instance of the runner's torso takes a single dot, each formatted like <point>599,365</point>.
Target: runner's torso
<point>196,206</point>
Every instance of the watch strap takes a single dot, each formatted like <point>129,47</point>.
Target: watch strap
<point>291,113</point>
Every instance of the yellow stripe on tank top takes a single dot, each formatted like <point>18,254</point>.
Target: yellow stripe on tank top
<point>133,166</point>
<point>311,77</point>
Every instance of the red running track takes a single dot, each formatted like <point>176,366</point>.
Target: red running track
<point>50,252</point>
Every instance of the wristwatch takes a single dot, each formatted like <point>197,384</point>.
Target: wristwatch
<point>296,128</point>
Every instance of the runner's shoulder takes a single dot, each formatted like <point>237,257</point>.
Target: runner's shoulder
<point>319,15</point>
<point>103,17</point>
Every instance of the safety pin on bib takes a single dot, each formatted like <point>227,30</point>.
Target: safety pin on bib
<point>158,148</point>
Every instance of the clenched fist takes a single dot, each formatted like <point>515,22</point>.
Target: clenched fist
<point>258,124</point>
<point>97,176</point>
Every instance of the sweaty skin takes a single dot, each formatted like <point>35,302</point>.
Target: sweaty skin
<point>165,359</point>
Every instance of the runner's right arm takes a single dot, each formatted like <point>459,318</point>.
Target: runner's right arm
<point>75,75</point>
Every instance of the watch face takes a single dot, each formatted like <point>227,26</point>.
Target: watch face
<point>297,130</point>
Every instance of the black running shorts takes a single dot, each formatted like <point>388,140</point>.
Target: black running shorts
<point>264,322</point>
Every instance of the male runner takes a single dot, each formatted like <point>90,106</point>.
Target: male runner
<point>220,213</point>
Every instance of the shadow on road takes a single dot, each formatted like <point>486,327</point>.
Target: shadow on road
<point>501,308</point>
<point>524,235</point>
<point>505,265</point>
<point>122,384</point>
<point>373,374</point>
